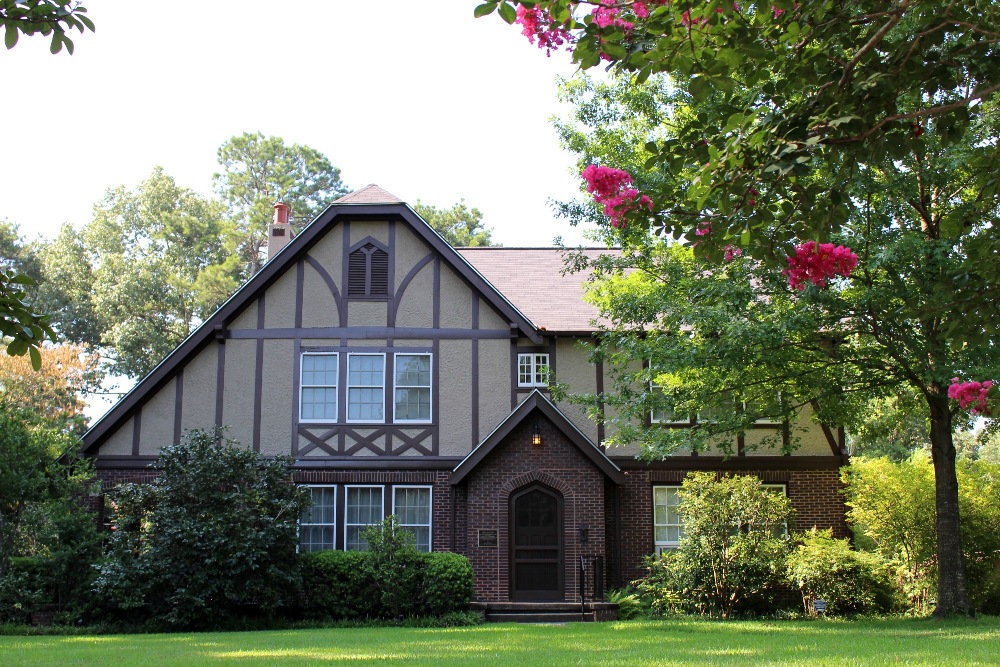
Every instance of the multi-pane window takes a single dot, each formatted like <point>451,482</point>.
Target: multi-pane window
<point>663,411</point>
<point>667,526</point>
<point>532,370</point>
<point>318,398</point>
<point>362,508</point>
<point>721,409</point>
<point>365,387</point>
<point>318,525</point>
<point>413,388</point>
<point>412,506</point>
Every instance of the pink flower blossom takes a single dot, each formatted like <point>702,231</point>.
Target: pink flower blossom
<point>817,263</point>
<point>732,253</point>
<point>704,229</point>
<point>539,25</point>
<point>640,9</point>
<point>610,188</point>
<point>777,11</point>
<point>970,393</point>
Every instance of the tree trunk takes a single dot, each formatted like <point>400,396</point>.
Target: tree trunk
<point>953,596</point>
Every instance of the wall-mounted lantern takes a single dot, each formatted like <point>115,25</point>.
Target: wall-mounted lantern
<point>536,436</point>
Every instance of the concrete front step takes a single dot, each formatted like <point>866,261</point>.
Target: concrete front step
<point>546,612</point>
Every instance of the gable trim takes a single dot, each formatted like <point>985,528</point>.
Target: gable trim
<point>537,401</point>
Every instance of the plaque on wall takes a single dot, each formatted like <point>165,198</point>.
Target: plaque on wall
<point>488,538</point>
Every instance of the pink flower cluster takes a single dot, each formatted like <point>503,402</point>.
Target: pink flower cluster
<point>611,187</point>
<point>539,25</point>
<point>970,393</point>
<point>817,263</point>
<point>732,252</point>
<point>605,16</point>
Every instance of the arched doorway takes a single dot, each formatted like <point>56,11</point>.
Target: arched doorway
<point>536,544</point>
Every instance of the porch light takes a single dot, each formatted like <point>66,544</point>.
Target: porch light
<point>536,436</point>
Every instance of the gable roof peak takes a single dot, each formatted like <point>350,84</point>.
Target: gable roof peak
<point>370,194</point>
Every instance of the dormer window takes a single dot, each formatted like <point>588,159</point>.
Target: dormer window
<point>368,272</point>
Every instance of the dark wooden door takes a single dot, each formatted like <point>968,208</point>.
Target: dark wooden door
<point>536,539</point>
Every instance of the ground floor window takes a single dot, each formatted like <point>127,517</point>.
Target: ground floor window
<point>412,506</point>
<point>318,525</point>
<point>362,508</point>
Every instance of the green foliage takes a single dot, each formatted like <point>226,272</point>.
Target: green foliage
<point>212,538</point>
<point>849,581</point>
<point>892,509</point>
<point>339,585</point>
<point>629,603</point>
<point>459,225</point>
<point>22,330</point>
<point>731,557</point>
<point>256,172</point>
<point>48,17</point>
<point>395,563</point>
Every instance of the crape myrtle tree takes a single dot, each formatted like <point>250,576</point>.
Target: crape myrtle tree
<point>851,145</point>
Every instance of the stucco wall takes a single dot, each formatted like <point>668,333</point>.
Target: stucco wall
<point>455,409</point>
<point>276,398</point>
<point>494,384</point>
<point>199,389</point>
<point>238,398</point>
<point>157,428</point>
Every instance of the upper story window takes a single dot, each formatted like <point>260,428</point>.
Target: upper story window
<point>533,370</point>
<point>663,411</point>
<point>413,388</point>
<point>368,272</point>
<point>319,387</point>
<point>365,387</point>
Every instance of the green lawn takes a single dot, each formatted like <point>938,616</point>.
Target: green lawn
<point>677,642</point>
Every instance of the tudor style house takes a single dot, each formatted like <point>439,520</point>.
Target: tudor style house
<point>409,377</point>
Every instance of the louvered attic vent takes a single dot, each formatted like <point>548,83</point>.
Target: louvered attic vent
<point>368,272</point>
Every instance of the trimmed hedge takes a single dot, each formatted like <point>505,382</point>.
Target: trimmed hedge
<point>338,585</point>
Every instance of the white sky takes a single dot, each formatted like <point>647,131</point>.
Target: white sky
<point>418,97</point>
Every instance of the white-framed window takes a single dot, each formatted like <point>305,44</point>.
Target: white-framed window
<point>533,370</point>
<point>779,489</point>
<point>667,526</point>
<point>412,390</point>
<point>365,387</point>
<point>318,387</point>
<point>318,524</point>
<point>363,507</point>
<point>663,413</point>
<point>765,418</point>
<point>412,506</point>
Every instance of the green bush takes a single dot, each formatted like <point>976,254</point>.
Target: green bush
<point>22,589</point>
<point>731,558</point>
<point>395,566</point>
<point>342,585</point>
<point>629,604</point>
<point>851,582</point>
<point>448,583</point>
<point>212,538</point>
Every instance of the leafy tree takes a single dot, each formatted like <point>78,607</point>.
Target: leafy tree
<point>212,537</point>
<point>917,312</point>
<point>52,393</point>
<point>733,549</point>
<point>256,172</point>
<point>22,328</point>
<point>459,225</point>
<point>55,17</point>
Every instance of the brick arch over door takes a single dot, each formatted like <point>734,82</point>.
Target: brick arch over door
<point>517,482</point>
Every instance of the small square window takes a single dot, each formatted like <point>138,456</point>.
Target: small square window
<point>533,370</point>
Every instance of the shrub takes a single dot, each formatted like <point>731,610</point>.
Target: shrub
<point>629,604</point>
<point>851,582</point>
<point>731,558</point>
<point>395,565</point>
<point>213,537</point>
<point>338,585</point>
<point>448,583</point>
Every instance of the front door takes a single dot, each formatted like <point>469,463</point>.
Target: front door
<point>536,552</point>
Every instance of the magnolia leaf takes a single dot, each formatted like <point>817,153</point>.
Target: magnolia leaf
<point>508,13</point>
<point>484,9</point>
<point>10,38</point>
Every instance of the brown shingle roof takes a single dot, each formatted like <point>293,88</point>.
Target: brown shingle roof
<point>532,280</point>
<point>370,194</point>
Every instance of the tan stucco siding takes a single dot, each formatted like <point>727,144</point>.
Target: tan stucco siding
<point>573,369</point>
<point>157,427</point>
<point>416,306</point>
<point>247,319</point>
<point>367,313</point>
<point>494,384</point>
<point>238,398</point>
<point>378,230</point>
<point>276,398</point>
<point>456,301</point>
<point>410,250</point>
<point>489,319</point>
<point>120,442</point>
<point>319,308</point>
<point>279,301</point>
<point>199,389</point>
<point>455,391</point>
<point>329,252</point>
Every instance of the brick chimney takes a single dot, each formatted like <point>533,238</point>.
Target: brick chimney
<point>279,232</point>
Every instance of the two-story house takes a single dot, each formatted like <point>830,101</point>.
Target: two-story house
<point>408,377</point>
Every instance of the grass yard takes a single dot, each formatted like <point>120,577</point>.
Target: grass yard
<point>674,642</point>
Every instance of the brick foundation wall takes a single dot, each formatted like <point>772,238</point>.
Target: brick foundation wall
<point>513,465</point>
